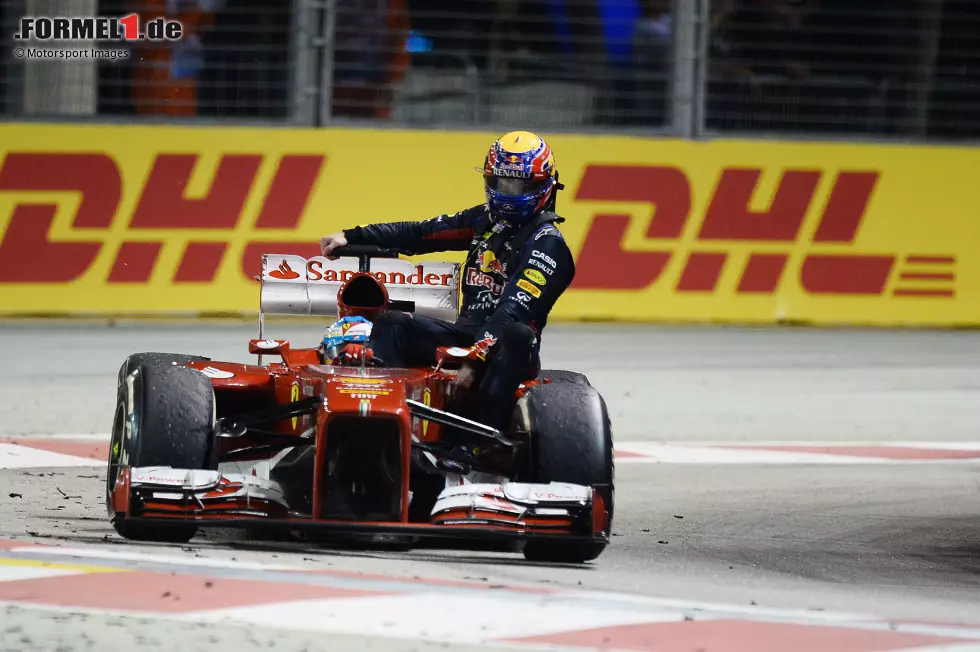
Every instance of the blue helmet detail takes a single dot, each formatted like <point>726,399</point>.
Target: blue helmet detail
<point>348,330</point>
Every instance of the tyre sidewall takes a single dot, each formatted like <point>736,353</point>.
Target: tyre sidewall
<point>571,441</point>
<point>571,437</point>
<point>168,418</point>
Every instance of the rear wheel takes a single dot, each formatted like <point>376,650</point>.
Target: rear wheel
<point>164,417</point>
<point>571,441</point>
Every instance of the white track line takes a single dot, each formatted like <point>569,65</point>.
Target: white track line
<point>13,456</point>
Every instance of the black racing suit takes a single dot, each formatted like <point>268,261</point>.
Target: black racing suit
<point>508,290</point>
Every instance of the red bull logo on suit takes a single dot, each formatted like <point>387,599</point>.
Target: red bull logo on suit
<point>489,263</point>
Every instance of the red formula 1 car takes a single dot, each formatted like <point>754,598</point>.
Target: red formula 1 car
<point>302,445</point>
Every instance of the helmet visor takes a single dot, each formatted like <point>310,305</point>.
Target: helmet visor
<point>515,187</point>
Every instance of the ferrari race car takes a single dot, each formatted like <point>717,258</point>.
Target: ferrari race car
<point>301,445</point>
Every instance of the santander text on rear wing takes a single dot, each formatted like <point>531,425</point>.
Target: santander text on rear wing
<point>293,285</point>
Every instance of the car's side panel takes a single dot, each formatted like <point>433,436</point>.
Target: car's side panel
<point>298,357</point>
<point>233,375</point>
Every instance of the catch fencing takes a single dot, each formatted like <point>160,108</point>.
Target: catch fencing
<point>852,69</point>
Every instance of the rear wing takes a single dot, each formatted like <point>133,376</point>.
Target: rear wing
<point>293,285</point>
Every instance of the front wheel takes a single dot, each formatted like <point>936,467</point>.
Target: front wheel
<point>164,417</point>
<point>571,441</point>
<point>562,376</point>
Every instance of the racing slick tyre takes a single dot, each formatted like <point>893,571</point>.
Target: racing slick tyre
<point>164,417</point>
<point>561,376</point>
<point>571,441</point>
<point>134,361</point>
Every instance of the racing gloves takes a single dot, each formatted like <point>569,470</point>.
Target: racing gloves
<point>353,354</point>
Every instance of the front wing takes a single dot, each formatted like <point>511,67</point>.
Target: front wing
<point>512,511</point>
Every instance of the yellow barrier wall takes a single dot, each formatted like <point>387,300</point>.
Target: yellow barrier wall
<point>110,219</point>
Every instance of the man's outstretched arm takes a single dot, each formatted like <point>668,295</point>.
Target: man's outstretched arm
<point>443,233</point>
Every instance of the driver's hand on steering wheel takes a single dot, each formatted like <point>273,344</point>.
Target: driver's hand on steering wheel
<point>330,242</point>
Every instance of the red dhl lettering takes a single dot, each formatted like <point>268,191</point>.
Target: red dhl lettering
<point>315,272</point>
<point>727,218</point>
<point>94,176</point>
<point>162,205</point>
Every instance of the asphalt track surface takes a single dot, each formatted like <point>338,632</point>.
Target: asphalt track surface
<point>898,541</point>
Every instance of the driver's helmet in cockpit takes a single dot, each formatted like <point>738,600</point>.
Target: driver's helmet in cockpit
<point>347,330</point>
